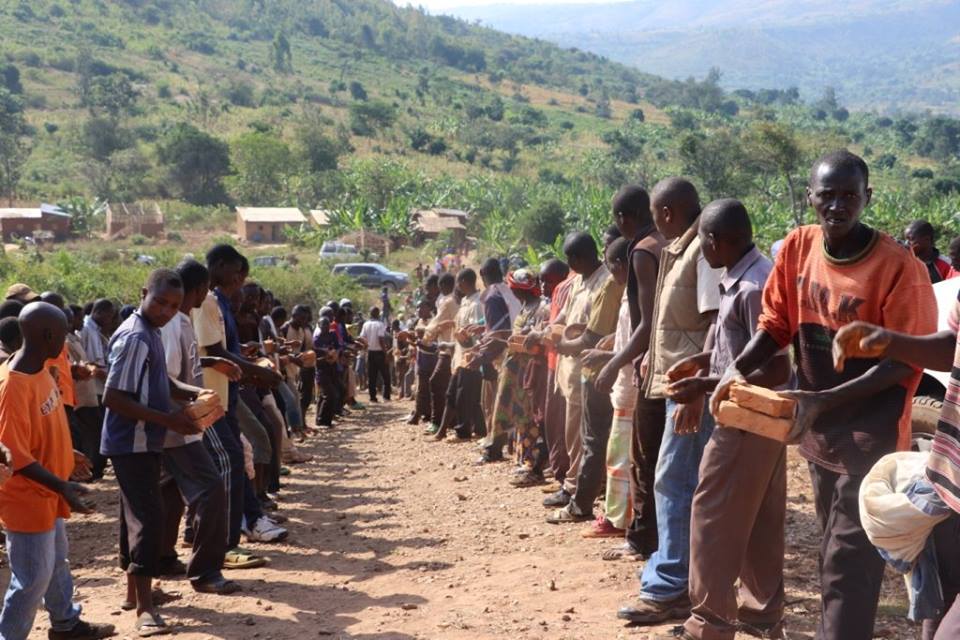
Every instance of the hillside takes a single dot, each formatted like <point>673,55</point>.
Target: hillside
<point>369,109</point>
<point>887,55</point>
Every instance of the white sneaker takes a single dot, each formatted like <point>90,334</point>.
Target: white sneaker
<point>265,531</point>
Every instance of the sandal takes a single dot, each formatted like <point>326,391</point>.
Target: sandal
<point>623,552</point>
<point>150,624</point>
<point>563,516</point>
<point>239,559</point>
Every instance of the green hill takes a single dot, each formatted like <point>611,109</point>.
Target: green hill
<point>369,109</point>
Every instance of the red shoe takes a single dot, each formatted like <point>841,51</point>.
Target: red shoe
<point>602,528</point>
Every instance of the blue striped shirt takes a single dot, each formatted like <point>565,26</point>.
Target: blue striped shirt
<point>136,365</point>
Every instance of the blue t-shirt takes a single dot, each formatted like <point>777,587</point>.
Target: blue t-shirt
<point>232,338</point>
<point>137,365</point>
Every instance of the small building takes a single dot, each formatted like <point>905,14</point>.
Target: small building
<point>320,217</point>
<point>44,222</point>
<point>125,219</point>
<point>267,224</point>
<point>430,224</point>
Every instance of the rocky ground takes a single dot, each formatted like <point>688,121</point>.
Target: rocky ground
<point>394,536</point>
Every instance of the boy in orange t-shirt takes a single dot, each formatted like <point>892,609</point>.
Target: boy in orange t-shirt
<point>826,277</point>
<point>38,498</point>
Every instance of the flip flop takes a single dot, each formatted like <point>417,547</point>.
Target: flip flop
<point>150,624</point>
<point>623,552</point>
<point>563,516</point>
<point>236,559</point>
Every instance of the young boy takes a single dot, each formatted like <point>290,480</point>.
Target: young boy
<point>36,501</point>
<point>827,276</point>
<point>921,238</point>
<point>737,517</point>
<point>139,413</point>
<point>185,457</point>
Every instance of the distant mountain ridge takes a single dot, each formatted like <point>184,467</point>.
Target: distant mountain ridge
<point>884,54</point>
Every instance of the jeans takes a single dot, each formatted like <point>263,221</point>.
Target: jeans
<point>39,572</point>
<point>665,576</point>
<point>291,406</point>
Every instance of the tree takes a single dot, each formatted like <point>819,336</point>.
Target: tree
<point>196,162</point>
<point>367,117</point>
<point>10,78</point>
<point>773,148</point>
<point>319,151</point>
<point>282,54</point>
<point>714,160</point>
<point>102,137</point>
<point>262,166</point>
<point>114,94</point>
<point>13,147</point>
<point>542,222</point>
<point>357,92</point>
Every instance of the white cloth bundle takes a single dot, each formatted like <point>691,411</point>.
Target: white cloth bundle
<point>895,523</point>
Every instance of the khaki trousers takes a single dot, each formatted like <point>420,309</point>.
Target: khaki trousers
<point>737,531</point>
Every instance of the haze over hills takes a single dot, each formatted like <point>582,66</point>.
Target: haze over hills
<point>886,55</point>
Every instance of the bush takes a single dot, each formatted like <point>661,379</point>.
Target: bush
<point>357,92</point>
<point>923,174</point>
<point>173,236</point>
<point>239,93</point>
<point>542,223</point>
<point>138,240</point>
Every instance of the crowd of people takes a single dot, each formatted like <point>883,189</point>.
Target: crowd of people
<point>599,375</point>
<point>194,398</point>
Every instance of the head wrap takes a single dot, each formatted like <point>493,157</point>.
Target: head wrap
<point>524,280</point>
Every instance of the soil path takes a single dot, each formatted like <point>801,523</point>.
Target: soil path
<point>394,536</point>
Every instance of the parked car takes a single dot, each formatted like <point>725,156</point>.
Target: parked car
<point>268,261</point>
<point>928,400</point>
<point>370,274</point>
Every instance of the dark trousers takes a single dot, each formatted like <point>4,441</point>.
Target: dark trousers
<point>305,387</point>
<point>555,422</point>
<point>464,409</point>
<point>141,512</point>
<point>330,400</point>
<point>851,570</point>
<point>439,382</point>
<point>594,434</point>
<point>425,368</point>
<point>378,374</point>
<point>222,441</point>
<point>946,540</point>
<point>199,483</point>
<point>85,426</point>
<point>172,514</point>
<point>649,419</point>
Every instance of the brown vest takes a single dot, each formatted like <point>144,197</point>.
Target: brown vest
<point>679,329</point>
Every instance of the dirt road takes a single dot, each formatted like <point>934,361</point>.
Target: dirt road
<point>394,536</point>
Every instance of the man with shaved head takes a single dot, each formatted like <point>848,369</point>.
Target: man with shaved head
<point>36,501</point>
<point>686,304</point>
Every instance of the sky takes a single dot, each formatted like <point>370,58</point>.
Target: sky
<point>439,5</point>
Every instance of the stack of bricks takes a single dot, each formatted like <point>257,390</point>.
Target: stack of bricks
<point>760,411</point>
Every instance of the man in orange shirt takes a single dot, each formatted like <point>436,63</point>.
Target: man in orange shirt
<point>35,502</point>
<point>827,276</point>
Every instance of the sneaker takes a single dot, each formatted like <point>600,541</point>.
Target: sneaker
<point>603,528</point>
<point>653,612</point>
<point>431,429</point>
<point>265,531</point>
<point>83,631</point>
